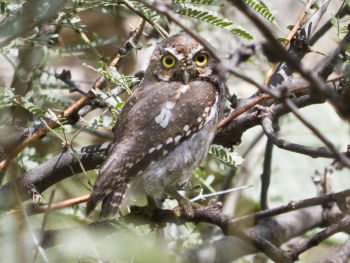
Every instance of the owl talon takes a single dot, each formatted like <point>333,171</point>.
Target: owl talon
<point>185,207</point>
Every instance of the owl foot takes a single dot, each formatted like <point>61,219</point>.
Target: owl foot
<point>184,207</point>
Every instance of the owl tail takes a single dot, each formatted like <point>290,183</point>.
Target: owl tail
<point>110,202</point>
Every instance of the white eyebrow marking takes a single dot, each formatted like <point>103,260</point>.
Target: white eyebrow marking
<point>178,55</point>
<point>196,50</point>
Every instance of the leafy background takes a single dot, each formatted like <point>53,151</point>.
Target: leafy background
<point>92,30</point>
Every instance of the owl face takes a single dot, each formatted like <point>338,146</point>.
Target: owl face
<point>180,58</point>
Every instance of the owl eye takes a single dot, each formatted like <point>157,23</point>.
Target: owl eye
<point>168,61</point>
<point>201,59</point>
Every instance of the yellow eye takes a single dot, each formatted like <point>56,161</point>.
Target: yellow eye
<point>201,59</point>
<point>168,61</point>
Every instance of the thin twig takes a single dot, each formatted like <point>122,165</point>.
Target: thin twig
<point>266,174</point>
<point>288,39</point>
<point>259,99</point>
<point>342,255</point>
<point>313,78</point>
<point>342,225</point>
<point>42,230</point>
<point>293,205</point>
<point>156,26</point>
<point>63,204</point>
<point>267,124</point>
<point>135,34</point>
<point>35,240</point>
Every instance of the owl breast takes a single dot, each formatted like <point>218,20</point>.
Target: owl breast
<point>179,163</point>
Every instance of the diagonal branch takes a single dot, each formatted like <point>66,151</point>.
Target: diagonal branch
<point>74,108</point>
<point>267,124</point>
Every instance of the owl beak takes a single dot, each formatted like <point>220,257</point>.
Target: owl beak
<point>185,77</point>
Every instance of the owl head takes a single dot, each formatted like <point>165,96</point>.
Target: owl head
<point>179,58</point>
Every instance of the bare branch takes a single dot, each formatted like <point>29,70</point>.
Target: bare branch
<point>56,169</point>
<point>267,124</point>
<point>342,225</point>
<point>342,255</point>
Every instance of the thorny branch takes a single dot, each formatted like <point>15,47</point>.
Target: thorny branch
<point>37,180</point>
<point>76,106</point>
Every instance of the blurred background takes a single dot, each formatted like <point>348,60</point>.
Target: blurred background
<point>28,63</point>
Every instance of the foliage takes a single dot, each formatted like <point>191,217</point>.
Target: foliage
<point>225,155</point>
<point>203,14</point>
<point>261,8</point>
<point>40,38</point>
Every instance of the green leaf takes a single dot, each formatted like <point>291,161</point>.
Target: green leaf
<point>261,9</point>
<point>225,155</point>
<point>210,17</point>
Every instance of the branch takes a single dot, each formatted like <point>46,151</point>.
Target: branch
<point>56,169</point>
<point>232,133</point>
<point>342,225</point>
<point>157,27</point>
<point>293,205</point>
<point>294,86</point>
<point>314,152</point>
<point>76,106</point>
<point>342,255</point>
<point>299,45</point>
<point>265,236</point>
<point>315,80</point>
<point>265,176</point>
<point>277,231</point>
<point>288,39</point>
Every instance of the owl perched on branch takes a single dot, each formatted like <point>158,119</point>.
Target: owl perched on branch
<point>164,129</point>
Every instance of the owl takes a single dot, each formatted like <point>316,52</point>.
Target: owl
<point>164,129</point>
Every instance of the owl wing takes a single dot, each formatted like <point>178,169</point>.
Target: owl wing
<point>153,122</point>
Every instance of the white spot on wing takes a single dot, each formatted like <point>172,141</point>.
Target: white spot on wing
<point>199,119</point>
<point>169,140</point>
<point>159,146</point>
<point>213,111</point>
<point>186,127</point>
<point>207,109</point>
<point>177,138</point>
<point>151,150</point>
<point>165,114</point>
<point>188,132</point>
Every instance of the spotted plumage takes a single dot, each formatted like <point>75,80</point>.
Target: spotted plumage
<point>165,128</point>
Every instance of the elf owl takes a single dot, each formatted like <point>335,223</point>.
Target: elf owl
<point>164,129</point>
